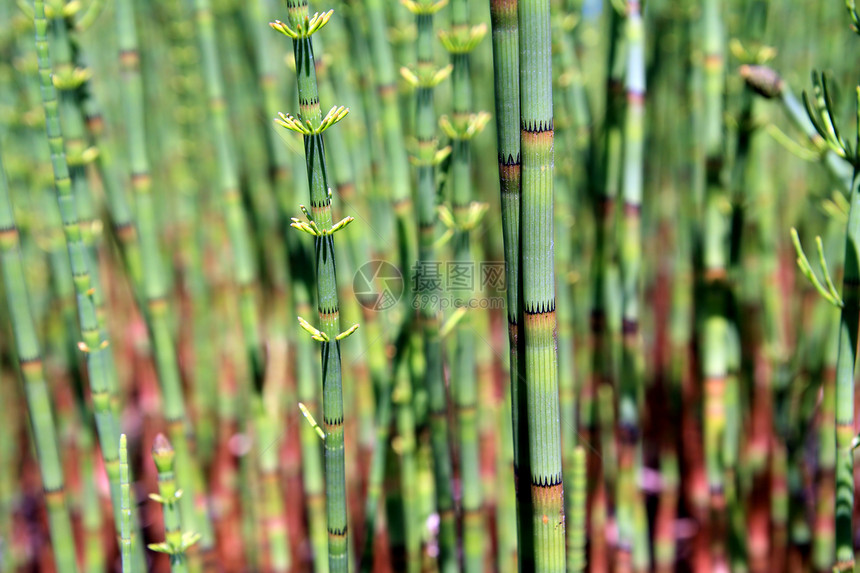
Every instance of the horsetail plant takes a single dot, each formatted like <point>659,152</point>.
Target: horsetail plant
<point>176,542</point>
<point>715,325</point>
<point>462,126</point>
<point>632,363</point>
<point>154,286</point>
<point>769,84</point>
<point>126,538</point>
<point>537,276</point>
<point>821,113</point>
<point>506,75</point>
<point>319,224</point>
<point>427,155</point>
<point>36,390</point>
<point>95,342</point>
<point>312,462</point>
<point>578,524</point>
<point>606,177</point>
<point>228,179</point>
<point>397,184</point>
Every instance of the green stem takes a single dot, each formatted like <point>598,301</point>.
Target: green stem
<point>327,296</point>
<point>94,341</point>
<point>507,84</point>
<point>537,275</point>
<point>36,390</point>
<point>154,284</point>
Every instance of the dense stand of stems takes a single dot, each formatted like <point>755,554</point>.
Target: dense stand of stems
<point>95,342</point>
<point>36,389</point>
<point>845,363</point>
<point>605,177</point>
<point>505,35</point>
<point>154,286</point>
<point>231,199</point>
<point>747,358</point>
<point>425,158</point>
<point>460,40</point>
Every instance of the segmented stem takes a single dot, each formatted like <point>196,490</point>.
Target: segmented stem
<point>536,232</point>
<point>36,390</point>
<point>95,342</point>
<point>327,296</point>
<point>506,56</point>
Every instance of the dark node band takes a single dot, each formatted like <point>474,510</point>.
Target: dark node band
<point>547,481</point>
<point>539,126</point>
<point>543,307</point>
<point>510,160</point>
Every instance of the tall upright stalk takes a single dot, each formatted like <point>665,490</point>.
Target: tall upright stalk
<point>506,56</point>
<point>175,541</point>
<point>126,536</point>
<point>715,329</point>
<point>537,275</point>
<point>312,459</point>
<point>397,184</point>
<point>606,178</point>
<point>36,390</point>
<point>460,41</point>
<point>632,360</point>
<point>845,364</point>
<point>154,285</point>
<point>95,342</point>
<point>425,77</point>
<point>311,124</point>
<point>231,199</point>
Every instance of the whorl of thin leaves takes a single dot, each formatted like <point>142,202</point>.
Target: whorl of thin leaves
<point>82,157</point>
<point>71,78</point>
<point>316,334</point>
<point>310,420</point>
<point>464,129</point>
<point>304,30</point>
<point>82,346</point>
<point>310,226</point>
<point>425,77</point>
<point>752,54</point>
<point>855,17</point>
<point>424,7</point>
<point>427,154</point>
<point>67,10</point>
<point>334,115</point>
<point>827,290</point>
<point>188,539</point>
<point>462,223</point>
<point>463,40</point>
<point>820,109</point>
<point>474,213</point>
<point>321,336</point>
<point>797,149</point>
